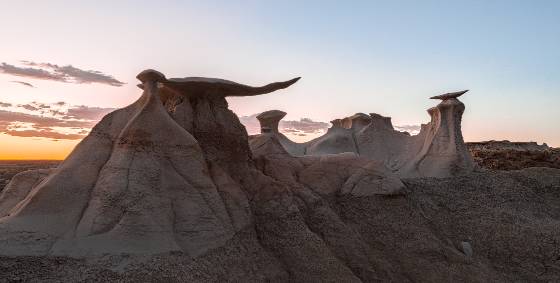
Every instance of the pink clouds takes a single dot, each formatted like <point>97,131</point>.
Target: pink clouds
<point>53,72</point>
<point>54,121</point>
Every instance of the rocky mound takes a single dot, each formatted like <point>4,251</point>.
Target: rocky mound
<point>487,227</point>
<point>506,155</point>
<point>171,188</point>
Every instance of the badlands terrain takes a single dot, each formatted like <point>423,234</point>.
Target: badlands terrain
<point>171,188</point>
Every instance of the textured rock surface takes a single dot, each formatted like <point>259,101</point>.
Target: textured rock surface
<point>437,151</point>
<point>172,189</point>
<point>510,220</point>
<point>506,155</point>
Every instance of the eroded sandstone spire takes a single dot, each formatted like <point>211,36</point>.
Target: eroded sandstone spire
<point>443,152</point>
<point>438,151</point>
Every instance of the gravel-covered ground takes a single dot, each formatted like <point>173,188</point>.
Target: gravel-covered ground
<point>506,155</point>
<point>490,226</point>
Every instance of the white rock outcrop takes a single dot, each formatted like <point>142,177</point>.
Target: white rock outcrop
<point>437,151</point>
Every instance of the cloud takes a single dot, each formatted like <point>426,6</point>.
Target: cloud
<point>304,125</point>
<point>35,106</point>
<point>10,117</point>
<point>57,121</point>
<point>307,127</point>
<point>86,77</point>
<point>46,133</point>
<point>301,128</point>
<point>86,112</point>
<point>28,107</point>
<point>23,83</point>
<point>32,73</point>
<point>60,121</point>
<point>53,72</point>
<point>412,129</point>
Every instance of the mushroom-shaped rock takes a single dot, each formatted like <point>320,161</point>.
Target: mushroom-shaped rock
<point>443,152</point>
<point>449,95</point>
<point>270,119</point>
<point>150,75</point>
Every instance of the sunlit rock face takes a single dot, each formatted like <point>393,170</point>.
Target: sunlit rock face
<point>437,151</point>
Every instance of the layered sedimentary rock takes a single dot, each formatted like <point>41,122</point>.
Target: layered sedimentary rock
<point>173,189</point>
<point>174,172</point>
<point>437,151</point>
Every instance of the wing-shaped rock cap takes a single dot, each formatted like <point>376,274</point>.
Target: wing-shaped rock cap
<point>449,95</point>
<point>212,86</point>
<point>209,86</point>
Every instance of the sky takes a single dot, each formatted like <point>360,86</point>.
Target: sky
<point>64,64</point>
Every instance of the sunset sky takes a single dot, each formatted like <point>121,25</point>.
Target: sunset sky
<point>64,64</point>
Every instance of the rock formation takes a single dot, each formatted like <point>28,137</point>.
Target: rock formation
<point>172,189</point>
<point>443,152</point>
<point>437,151</point>
<point>174,172</point>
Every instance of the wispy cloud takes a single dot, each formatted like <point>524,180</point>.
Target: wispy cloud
<point>45,133</point>
<point>23,83</point>
<point>59,121</point>
<point>307,127</point>
<point>53,72</point>
<point>304,126</point>
<point>87,112</point>
<point>411,129</point>
<point>52,121</point>
<point>32,73</point>
<point>300,127</point>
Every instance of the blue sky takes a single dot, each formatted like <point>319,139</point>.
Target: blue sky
<point>354,56</point>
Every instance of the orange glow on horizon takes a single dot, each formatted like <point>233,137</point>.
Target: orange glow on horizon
<point>22,148</point>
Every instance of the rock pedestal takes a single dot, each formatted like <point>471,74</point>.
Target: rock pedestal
<point>443,152</point>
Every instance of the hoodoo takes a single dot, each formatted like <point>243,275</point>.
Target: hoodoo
<point>173,172</point>
<point>437,151</point>
<point>269,120</point>
<point>171,188</point>
<point>443,152</point>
